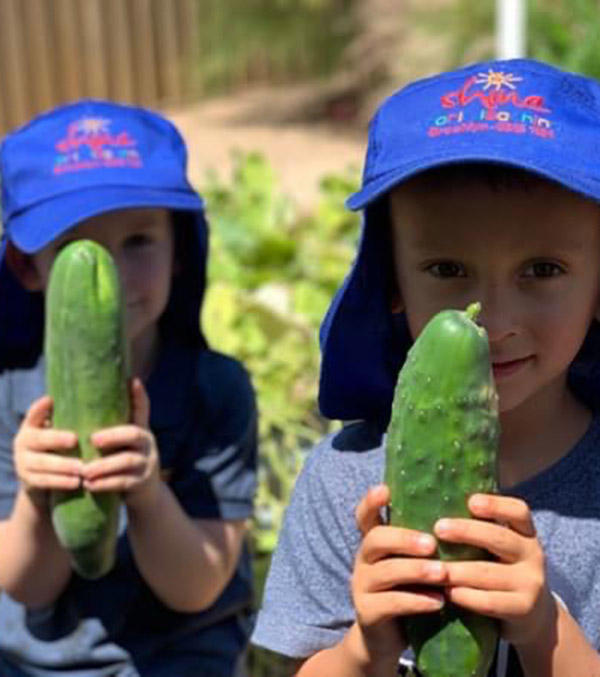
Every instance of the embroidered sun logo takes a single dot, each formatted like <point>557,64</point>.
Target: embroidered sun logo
<point>93,126</point>
<point>497,80</point>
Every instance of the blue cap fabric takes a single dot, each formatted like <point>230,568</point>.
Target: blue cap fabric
<point>75,162</point>
<point>518,112</point>
<point>84,159</point>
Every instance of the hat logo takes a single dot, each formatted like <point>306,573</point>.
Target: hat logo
<point>497,97</point>
<point>492,102</point>
<point>90,144</point>
<point>497,79</point>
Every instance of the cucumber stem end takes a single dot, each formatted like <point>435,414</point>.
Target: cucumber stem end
<point>473,310</point>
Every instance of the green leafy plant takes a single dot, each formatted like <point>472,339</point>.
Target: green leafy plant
<point>561,32</point>
<point>566,34</point>
<point>270,40</point>
<point>272,275</point>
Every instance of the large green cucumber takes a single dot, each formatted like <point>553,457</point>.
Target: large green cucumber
<point>441,448</point>
<point>87,368</point>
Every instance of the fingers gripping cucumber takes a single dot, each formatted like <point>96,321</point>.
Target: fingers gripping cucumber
<point>441,448</point>
<point>86,374</point>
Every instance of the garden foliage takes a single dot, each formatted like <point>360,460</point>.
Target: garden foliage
<point>273,271</point>
<point>562,32</point>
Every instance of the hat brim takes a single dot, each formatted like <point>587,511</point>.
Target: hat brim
<point>40,224</point>
<point>580,183</point>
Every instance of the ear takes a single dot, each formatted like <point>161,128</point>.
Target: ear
<point>23,267</point>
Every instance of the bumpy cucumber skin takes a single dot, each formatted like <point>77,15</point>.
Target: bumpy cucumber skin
<point>441,448</point>
<point>87,367</point>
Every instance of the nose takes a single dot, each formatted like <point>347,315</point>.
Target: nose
<point>121,264</point>
<point>498,315</point>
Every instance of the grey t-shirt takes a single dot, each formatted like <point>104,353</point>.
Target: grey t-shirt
<point>307,604</point>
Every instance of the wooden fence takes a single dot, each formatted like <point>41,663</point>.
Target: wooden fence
<point>53,51</point>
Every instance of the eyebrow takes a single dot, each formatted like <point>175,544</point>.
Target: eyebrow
<point>568,244</point>
<point>145,221</point>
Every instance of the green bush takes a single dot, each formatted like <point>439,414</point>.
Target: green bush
<point>562,32</point>
<point>567,34</point>
<point>272,274</point>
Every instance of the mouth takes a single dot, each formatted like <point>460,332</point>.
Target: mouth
<point>506,368</point>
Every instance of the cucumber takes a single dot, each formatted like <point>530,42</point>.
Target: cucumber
<point>87,369</point>
<point>441,447</point>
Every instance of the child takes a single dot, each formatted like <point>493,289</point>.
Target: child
<point>177,601</point>
<point>479,184</point>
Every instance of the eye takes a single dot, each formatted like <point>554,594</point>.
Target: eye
<point>544,269</point>
<point>138,240</point>
<point>445,269</point>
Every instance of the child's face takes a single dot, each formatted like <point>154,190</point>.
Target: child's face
<point>531,257</point>
<point>141,243</point>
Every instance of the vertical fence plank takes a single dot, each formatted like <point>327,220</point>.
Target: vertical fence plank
<point>13,55</point>
<point>144,51</point>
<point>54,51</point>
<point>205,28</point>
<point>93,49</point>
<point>3,110</point>
<point>167,62</point>
<point>188,31</point>
<point>119,50</point>
<point>41,61</point>
<point>67,40</point>
<point>4,100</point>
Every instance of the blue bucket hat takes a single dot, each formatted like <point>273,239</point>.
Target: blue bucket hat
<point>518,112</point>
<point>78,161</point>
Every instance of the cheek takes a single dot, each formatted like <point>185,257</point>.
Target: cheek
<point>147,281</point>
<point>146,271</point>
<point>417,320</point>
<point>42,265</point>
<point>420,306</point>
<point>561,334</point>
<point>156,279</point>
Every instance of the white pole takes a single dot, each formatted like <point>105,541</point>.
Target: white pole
<point>510,28</point>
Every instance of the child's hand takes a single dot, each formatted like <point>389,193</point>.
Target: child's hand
<point>512,589</point>
<point>40,454</point>
<point>131,463</point>
<point>389,564</point>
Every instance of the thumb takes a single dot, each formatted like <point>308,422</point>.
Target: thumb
<point>39,413</point>
<point>368,511</point>
<point>140,404</point>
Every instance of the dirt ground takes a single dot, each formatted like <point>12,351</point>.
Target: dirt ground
<point>286,123</point>
<point>277,123</point>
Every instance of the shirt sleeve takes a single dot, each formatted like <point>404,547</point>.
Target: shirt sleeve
<point>8,428</point>
<point>307,604</point>
<point>217,476</point>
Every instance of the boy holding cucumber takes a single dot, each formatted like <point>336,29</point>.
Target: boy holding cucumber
<point>178,599</point>
<point>482,185</point>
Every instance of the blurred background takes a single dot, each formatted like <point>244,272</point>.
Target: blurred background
<point>273,98</point>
